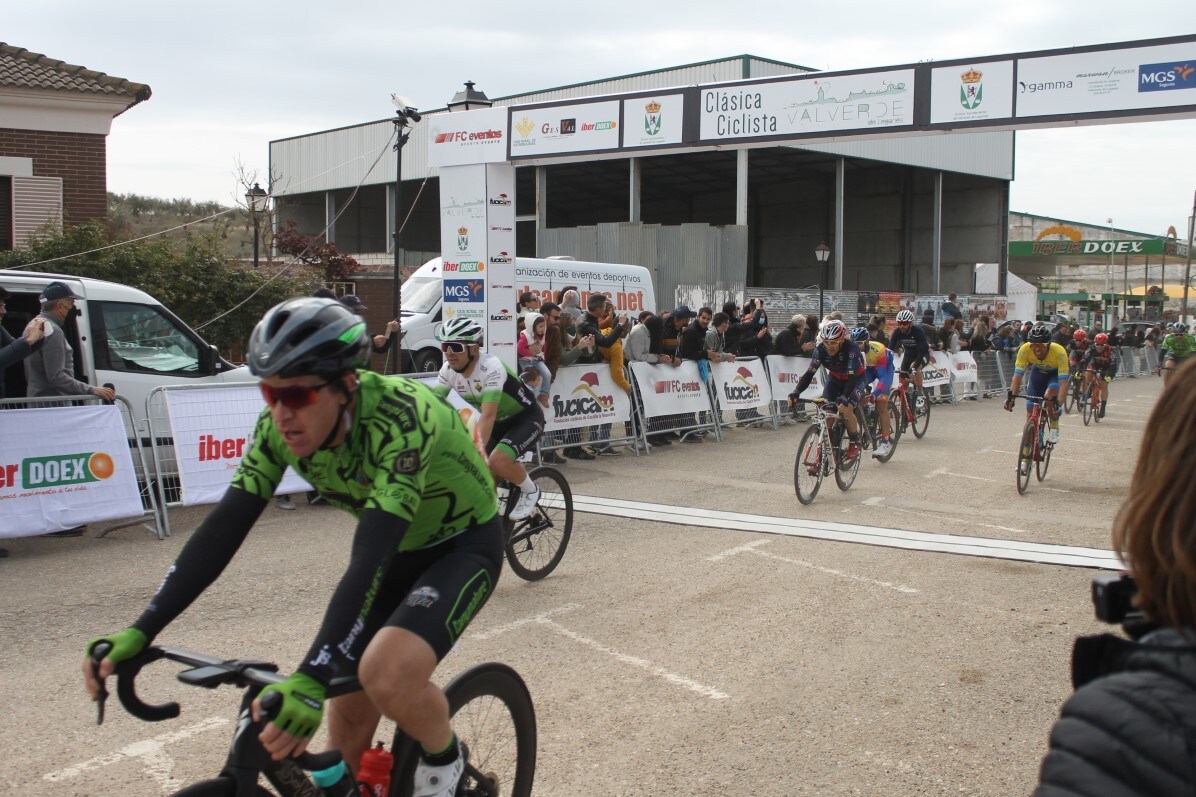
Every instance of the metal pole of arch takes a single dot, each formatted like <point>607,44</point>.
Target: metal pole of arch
<point>1188,261</point>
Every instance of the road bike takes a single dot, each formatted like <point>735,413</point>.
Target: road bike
<point>536,544</point>
<point>1077,395</point>
<point>490,705</point>
<point>867,415</point>
<point>913,407</point>
<point>1092,402</point>
<point>823,449</point>
<point>1035,452</point>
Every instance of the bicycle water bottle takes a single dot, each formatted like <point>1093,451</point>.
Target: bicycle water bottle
<point>336,781</point>
<point>374,775</point>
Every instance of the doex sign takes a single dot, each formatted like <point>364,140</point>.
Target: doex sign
<point>64,466</point>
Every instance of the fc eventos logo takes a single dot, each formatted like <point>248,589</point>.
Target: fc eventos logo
<point>1165,77</point>
<point>60,470</point>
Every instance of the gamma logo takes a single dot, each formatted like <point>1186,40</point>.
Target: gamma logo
<point>1165,77</point>
<point>58,471</point>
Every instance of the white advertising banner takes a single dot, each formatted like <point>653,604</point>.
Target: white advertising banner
<point>584,395</point>
<point>1109,80</point>
<point>809,105</point>
<point>501,299</point>
<point>211,430</point>
<point>971,92</point>
<point>741,385</point>
<point>650,121</point>
<point>964,367</point>
<point>786,372</point>
<point>463,241</point>
<point>62,467</point>
<point>934,373</point>
<point>456,139</point>
<point>587,127</point>
<point>670,390</point>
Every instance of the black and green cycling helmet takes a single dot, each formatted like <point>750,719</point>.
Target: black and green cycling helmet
<point>308,335</point>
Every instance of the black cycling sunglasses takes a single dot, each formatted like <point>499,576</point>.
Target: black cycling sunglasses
<point>454,347</point>
<point>294,397</point>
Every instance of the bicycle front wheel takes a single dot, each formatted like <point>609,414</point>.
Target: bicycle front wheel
<point>493,716</point>
<point>536,544</point>
<point>1088,410</point>
<point>1025,458</point>
<point>807,467</point>
<point>846,469</point>
<point>894,433</point>
<point>921,406</point>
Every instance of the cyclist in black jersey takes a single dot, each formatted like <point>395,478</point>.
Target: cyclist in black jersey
<point>910,339</point>
<point>426,553</point>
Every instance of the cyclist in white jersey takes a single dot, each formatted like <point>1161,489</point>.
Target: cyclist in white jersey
<point>510,419</point>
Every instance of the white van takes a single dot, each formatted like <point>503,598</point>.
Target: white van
<point>629,287</point>
<point>123,337</point>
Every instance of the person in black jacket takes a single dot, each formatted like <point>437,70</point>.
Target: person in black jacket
<point>1130,727</point>
<point>787,342</point>
<point>13,350</point>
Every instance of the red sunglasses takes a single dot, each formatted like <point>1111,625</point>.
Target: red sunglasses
<point>294,397</point>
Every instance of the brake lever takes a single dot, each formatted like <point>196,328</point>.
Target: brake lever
<point>97,655</point>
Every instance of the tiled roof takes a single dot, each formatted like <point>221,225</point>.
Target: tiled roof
<point>20,68</point>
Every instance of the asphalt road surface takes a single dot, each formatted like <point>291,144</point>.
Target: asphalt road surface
<point>705,634</point>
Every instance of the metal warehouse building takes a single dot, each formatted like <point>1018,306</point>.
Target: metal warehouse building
<point>901,214</point>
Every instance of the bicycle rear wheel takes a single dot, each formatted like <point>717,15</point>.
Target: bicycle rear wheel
<point>536,544</point>
<point>1096,402</point>
<point>807,467</point>
<point>495,720</point>
<point>1044,459</point>
<point>894,433</point>
<point>1025,458</point>
<point>921,405</point>
<point>1088,411</point>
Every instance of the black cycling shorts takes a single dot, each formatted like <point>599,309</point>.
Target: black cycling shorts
<point>915,363</point>
<point>435,592</point>
<point>518,435</point>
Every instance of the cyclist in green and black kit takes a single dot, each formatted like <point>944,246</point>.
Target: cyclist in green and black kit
<point>426,554</point>
<point>1177,347</point>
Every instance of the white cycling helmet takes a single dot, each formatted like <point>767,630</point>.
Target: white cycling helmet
<point>905,317</point>
<point>460,330</point>
<point>832,331</point>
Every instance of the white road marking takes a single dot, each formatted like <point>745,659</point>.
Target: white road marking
<point>754,548</point>
<point>1053,457</point>
<point>958,520</point>
<point>700,517</point>
<point>156,763</point>
<point>875,500</point>
<point>545,620</point>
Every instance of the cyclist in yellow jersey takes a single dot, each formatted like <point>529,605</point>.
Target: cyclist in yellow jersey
<point>1047,363</point>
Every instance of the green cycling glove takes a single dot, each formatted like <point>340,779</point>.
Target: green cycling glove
<point>125,645</point>
<point>302,705</point>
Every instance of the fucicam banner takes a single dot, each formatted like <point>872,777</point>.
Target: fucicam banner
<point>785,372</point>
<point>63,467</point>
<point>742,384</point>
<point>584,395</point>
<point>963,367</point>
<point>934,373</point>
<point>211,430</point>
<point>670,390</point>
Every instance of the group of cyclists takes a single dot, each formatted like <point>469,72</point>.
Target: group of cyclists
<point>428,544</point>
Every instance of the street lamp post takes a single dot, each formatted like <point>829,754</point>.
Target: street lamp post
<point>1109,273</point>
<point>470,99</point>
<point>823,253</point>
<point>258,202</point>
<point>406,114</point>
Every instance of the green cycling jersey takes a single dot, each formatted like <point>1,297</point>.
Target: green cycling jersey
<point>1179,346</point>
<point>408,453</point>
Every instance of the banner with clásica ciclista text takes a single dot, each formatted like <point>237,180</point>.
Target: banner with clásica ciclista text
<point>62,467</point>
<point>584,395</point>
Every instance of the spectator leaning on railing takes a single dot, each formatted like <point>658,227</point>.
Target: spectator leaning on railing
<point>787,340</point>
<point>13,350</point>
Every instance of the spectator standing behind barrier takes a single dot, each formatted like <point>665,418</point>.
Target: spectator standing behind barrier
<point>590,326</point>
<point>645,344</point>
<point>809,336</point>
<point>1129,727</point>
<point>756,338</point>
<point>948,336</point>
<point>734,329</point>
<point>14,350</point>
<point>1002,342</point>
<point>716,339</point>
<point>528,303</point>
<point>571,306</point>
<point>880,336</point>
<point>50,371</point>
<point>530,348</point>
<point>787,343</point>
<point>951,310</point>
<point>559,349</point>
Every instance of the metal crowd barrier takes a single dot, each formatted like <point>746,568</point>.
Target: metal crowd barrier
<point>688,425</point>
<point>730,416</point>
<point>149,503</point>
<point>990,381</point>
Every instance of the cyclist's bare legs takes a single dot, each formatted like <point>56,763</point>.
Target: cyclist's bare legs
<point>503,467</point>
<point>847,415</point>
<point>882,408</point>
<point>1168,367</point>
<point>396,673</point>
<point>352,723</point>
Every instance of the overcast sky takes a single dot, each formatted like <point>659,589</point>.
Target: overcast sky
<point>229,77</point>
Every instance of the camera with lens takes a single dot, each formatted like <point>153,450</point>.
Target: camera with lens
<point>1113,598</point>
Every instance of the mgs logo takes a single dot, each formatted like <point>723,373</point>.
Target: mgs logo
<point>971,89</point>
<point>652,119</point>
<point>1166,77</point>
